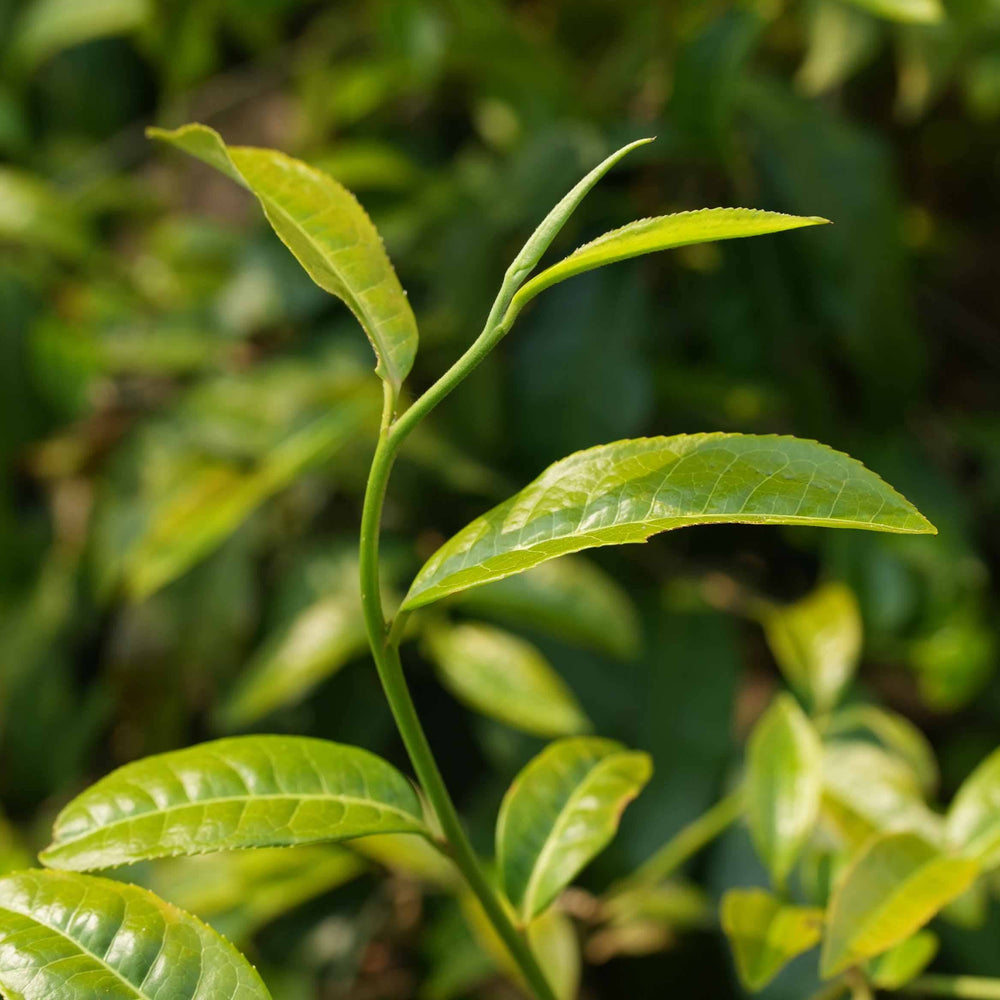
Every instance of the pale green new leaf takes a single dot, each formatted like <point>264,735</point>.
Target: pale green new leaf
<point>570,598</point>
<point>896,734</point>
<point>904,961</point>
<point>817,642</point>
<point>783,785</point>
<point>906,11</point>
<point>626,491</point>
<point>973,823</point>
<point>65,936</point>
<point>561,811</point>
<point>896,885</point>
<point>505,678</point>
<point>329,233</point>
<point>867,791</point>
<point>766,934</point>
<point>664,232</point>
<point>246,791</point>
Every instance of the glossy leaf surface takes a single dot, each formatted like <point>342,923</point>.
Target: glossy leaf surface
<point>327,230</point>
<point>506,678</point>
<point>784,782</point>
<point>626,491</point>
<point>766,934</point>
<point>662,233</point>
<point>973,823</point>
<point>248,791</point>
<point>893,969</point>
<point>570,598</point>
<point>76,937</point>
<point>894,887</point>
<point>561,811</point>
<point>817,642</point>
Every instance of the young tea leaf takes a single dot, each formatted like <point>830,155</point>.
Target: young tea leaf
<point>817,642</point>
<point>561,811</point>
<point>766,934</point>
<point>328,232</point>
<point>626,491</point>
<point>506,678</point>
<point>247,791</point>
<point>570,598</point>
<point>661,233</point>
<point>894,887</point>
<point>784,781</point>
<point>973,823</point>
<point>893,969</point>
<point>76,937</point>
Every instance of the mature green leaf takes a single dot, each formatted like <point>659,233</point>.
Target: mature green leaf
<point>766,934</point>
<point>907,11</point>
<point>783,784</point>
<point>241,892</point>
<point>867,790</point>
<point>817,642</point>
<point>506,678</point>
<point>894,887</point>
<point>246,791</point>
<point>329,233</point>
<point>561,811</point>
<point>626,491</point>
<point>973,823</point>
<point>896,733</point>
<point>76,937</point>
<point>661,233</point>
<point>570,598</point>
<point>893,969</point>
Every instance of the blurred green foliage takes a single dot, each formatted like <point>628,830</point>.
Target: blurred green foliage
<point>186,421</point>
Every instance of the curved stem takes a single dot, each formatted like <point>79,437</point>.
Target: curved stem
<point>397,693</point>
<point>969,987</point>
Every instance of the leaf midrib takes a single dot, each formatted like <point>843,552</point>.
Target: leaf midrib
<point>346,799</point>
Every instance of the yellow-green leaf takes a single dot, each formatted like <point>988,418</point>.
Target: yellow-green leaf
<point>895,886</point>
<point>893,969</point>
<point>561,811</point>
<point>973,823</point>
<point>506,678</point>
<point>661,233</point>
<point>766,934</point>
<point>65,936</point>
<point>626,491</point>
<point>329,233</point>
<point>242,792</point>
<point>784,782</point>
<point>905,11</point>
<point>817,642</point>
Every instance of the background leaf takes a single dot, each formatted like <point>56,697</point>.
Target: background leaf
<point>973,824</point>
<point>627,491</point>
<point>894,968</point>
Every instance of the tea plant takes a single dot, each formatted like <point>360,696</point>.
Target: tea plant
<point>835,796</point>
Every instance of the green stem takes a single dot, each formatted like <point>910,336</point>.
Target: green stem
<point>970,987</point>
<point>397,693</point>
<point>685,844</point>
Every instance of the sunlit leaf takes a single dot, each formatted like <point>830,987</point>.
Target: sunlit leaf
<point>896,733</point>
<point>783,784</point>
<point>867,790</point>
<point>561,811</point>
<point>766,934</point>
<point>570,598</point>
<point>906,11</point>
<point>247,791</point>
<point>893,969</point>
<point>35,214</point>
<point>506,678</point>
<point>626,491</point>
<point>817,642</point>
<point>329,233</point>
<point>65,936</point>
<point>894,887</point>
<point>661,233</point>
<point>973,823</point>
<point>841,40</point>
